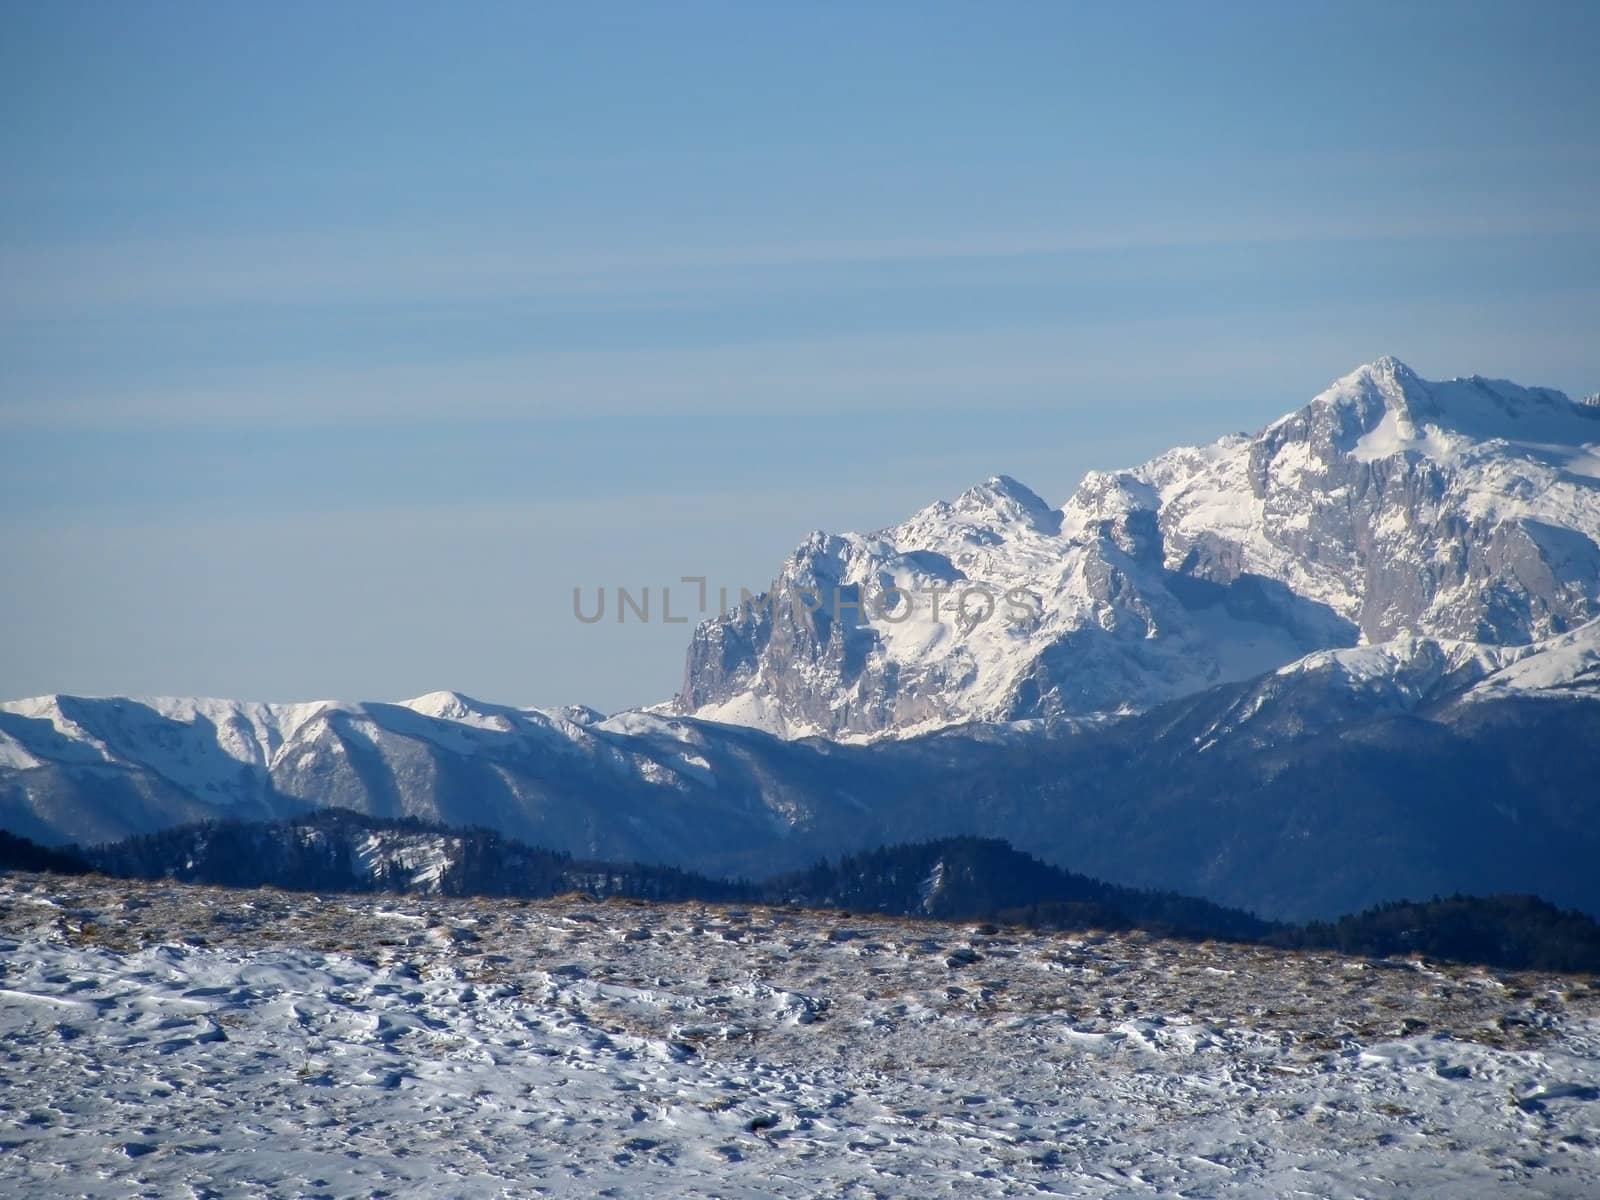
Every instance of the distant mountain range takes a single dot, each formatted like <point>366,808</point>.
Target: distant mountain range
<point>1353,658</point>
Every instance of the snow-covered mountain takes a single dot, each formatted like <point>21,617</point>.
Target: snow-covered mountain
<point>1388,507</point>
<point>1352,658</point>
<point>1413,767</point>
<point>632,786</point>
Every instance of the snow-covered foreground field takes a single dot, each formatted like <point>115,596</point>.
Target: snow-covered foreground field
<point>177,1041</point>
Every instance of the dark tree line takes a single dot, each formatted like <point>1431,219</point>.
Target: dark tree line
<point>1516,932</point>
<point>951,879</point>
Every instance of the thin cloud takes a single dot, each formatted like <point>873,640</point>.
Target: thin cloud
<point>52,282</point>
<point>1080,363</point>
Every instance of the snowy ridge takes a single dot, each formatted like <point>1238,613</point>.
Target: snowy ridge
<point>1568,665</point>
<point>97,769</point>
<point>1565,665</point>
<point>223,749</point>
<point>206,745</point>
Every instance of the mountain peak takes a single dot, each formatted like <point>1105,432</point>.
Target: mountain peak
<point>1391,367</point>
<point>1004,497</point>
<point>1005,488</point>
<point>1386,373</point>
<point>1385,384</point>
<point>1389,407</point>
<point>445,705</point>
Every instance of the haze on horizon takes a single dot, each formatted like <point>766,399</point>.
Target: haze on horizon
<point>341,343</point>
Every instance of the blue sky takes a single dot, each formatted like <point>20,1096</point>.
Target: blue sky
<point>340,342</point>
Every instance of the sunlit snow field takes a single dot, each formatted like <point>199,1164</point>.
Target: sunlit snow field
<point>178,1041</point>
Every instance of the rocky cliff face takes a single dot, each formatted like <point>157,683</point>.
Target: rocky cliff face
<point>1387,506</point>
